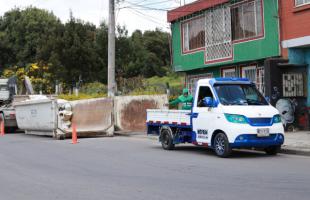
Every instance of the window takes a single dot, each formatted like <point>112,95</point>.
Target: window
<point>218,34</point>
<point>293,85</point>
<point>260,80</point>
<point>255,75</point>
<point>247,20</point>
<point>204,91</point>
<point>249,72</point>
<point>229,72</point>
<point>301,2</point>
<point>191,81</point>
<point>193,34</point>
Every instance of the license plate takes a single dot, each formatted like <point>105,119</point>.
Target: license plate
<point>263,132</point>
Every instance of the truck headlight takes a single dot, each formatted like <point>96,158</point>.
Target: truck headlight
<point>276,119</point>
<point>236,118</point>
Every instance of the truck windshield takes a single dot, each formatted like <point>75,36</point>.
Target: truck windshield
<point>239,94</point>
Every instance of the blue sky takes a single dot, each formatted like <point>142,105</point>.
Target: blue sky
<point>134,14</point>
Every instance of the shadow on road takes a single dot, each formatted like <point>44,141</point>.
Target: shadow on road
<point>242,153</point>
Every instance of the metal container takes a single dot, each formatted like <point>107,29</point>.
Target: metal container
<point>37,116</point>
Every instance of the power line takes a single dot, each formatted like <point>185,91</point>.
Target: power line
<point>157,3</point>
<point>148,17</point>
<point>142,7</point>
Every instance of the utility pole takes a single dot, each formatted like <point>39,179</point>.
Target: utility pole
<point>111,50</point>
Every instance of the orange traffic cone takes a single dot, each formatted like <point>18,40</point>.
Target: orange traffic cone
<point>74,134</point>
<point>2,128</point>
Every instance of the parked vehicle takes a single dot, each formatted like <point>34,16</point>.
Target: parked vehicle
<point>227,113</point>
<point>8,95</point>
<point>7,113</point>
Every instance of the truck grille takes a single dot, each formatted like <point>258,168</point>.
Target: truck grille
<point>260,121</point>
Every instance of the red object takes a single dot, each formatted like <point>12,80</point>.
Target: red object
<point>192,8</point>
<point>303,121</point>
<point>74,134</point>
<point>2,128</point>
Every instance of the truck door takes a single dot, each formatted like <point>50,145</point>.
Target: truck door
<point>203,117</point>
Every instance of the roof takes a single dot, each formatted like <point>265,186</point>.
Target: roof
<point>231,80</point>
<point>191,8</point>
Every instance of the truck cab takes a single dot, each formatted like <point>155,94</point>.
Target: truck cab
<point>4,90</point>
<point>227,113</point>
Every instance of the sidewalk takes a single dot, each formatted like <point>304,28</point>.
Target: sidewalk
<point>297,143</point>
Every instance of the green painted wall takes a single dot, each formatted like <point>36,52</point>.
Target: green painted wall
<point>246,51</point>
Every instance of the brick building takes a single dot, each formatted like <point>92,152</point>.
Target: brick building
<point>295,37</point>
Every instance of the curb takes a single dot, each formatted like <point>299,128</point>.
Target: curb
<point>293,151</point>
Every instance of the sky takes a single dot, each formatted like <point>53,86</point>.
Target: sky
<point>134,14</point>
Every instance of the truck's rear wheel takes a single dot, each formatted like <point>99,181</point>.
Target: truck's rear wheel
<point>221,145</point>
<point>166,139</point>
<point>273,150</point>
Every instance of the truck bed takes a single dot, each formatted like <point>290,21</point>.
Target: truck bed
<point>173,117</point>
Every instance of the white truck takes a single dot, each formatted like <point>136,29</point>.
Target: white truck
<point>7,112</point>
<point>227,113</point>
<point>8,95</point>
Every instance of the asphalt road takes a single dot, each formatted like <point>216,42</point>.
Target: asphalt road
<point>40,168</point>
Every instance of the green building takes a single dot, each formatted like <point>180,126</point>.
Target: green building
<point>224,38</point>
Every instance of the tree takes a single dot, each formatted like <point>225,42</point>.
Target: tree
<point>78,49</point>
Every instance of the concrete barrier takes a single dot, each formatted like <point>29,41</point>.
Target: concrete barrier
<point>130,111</point>
<point>93,116</point>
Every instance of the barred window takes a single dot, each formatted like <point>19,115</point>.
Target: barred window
<point>293,85</point>
<point>229,72</point>
<point>191,81</point>
<point>301,2</point>
<point>247,20</point>
<point>193,34</point>
<point>218,33</point>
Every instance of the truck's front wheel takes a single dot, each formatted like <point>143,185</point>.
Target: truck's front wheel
<point>221,145</point>
<point>167,139</point>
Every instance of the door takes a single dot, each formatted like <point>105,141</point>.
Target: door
<point>203,116</point>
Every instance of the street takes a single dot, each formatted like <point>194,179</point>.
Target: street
<point>135,167</point>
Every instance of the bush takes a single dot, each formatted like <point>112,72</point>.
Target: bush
<point>94,88</point>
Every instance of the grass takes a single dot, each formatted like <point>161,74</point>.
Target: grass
<point>174,80</point>
<point>151,86</point>
<point>157,85</point>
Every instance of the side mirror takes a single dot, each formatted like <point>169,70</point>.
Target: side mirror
<point>208,102</point>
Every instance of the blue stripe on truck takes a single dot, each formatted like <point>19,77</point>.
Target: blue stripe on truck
<point>252,140</point>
